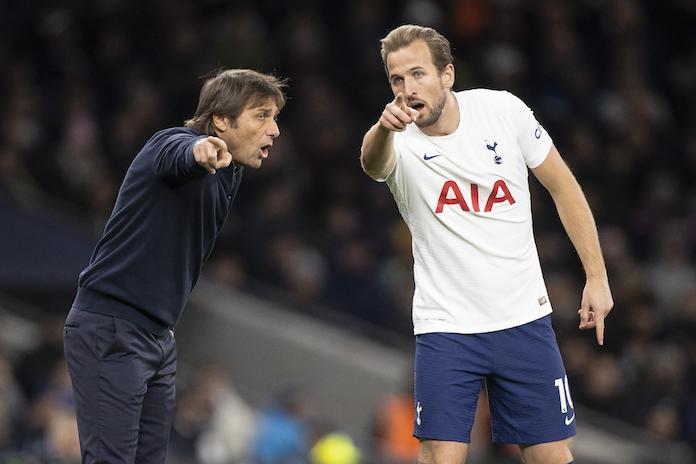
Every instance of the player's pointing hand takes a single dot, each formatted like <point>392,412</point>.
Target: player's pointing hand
<point>397,114</point>
<point>595,306</point>
<point>212,154</point>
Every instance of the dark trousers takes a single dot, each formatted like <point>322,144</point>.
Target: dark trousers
<point>123,380</point>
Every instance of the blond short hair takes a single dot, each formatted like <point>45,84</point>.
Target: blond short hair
<point>405,35</point>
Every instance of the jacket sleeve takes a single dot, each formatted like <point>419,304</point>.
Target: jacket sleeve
<point>173,156</point>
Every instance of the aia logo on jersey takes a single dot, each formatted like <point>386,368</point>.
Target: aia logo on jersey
<point>451,194</point>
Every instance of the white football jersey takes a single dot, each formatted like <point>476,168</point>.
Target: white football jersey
<point>465,198</point>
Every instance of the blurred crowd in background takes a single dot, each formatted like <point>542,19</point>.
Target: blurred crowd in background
<point>85,84</point>
<point>213,424</point>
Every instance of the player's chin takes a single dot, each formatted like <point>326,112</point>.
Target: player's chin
<point>423,118</point>
<point>255,163</point>
<point>424,121</point>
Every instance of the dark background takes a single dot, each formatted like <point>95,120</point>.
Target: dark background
<point>84,84</point>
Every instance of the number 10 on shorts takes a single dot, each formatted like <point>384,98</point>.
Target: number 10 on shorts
<point>564,393</point>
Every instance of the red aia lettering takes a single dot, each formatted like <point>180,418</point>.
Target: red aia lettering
<point>444,200</point>
<point>494,198</point>
<point>474,197</point>
<point>452,195</point>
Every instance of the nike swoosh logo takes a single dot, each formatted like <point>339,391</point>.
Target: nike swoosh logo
<point>570,421</point>
<point>426,157</point>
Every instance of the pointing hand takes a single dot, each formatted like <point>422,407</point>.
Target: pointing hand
<point>595,306</point>
<point>212,153</point>
<point>397,115</point>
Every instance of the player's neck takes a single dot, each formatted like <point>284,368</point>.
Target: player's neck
<point>448,121</point>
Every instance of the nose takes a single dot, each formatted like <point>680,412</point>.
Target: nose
<point>274,130</point>
<point>409,86</point>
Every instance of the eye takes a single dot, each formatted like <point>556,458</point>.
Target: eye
<point>397,80</point>
<point>262,116</point>
<point>418,74</point>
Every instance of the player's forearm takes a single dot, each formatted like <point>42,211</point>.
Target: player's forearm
<point>377,152</point>
<point>580,226</point>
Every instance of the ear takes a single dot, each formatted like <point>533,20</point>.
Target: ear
<point>220,122</point>
<point>448,76</point>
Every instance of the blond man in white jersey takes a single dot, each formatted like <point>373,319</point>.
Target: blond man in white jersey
<point>457,164</point>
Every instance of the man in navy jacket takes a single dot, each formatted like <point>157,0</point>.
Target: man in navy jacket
<point>175,197</point>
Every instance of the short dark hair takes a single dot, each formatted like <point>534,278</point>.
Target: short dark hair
<point>405,35</point>
<point>230,91</point>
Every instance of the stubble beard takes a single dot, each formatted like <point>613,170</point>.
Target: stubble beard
<point>435,113</point>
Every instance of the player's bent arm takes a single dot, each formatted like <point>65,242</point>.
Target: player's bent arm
<point>377,155</point>
<point>573,210</point>
<point>579,224</point>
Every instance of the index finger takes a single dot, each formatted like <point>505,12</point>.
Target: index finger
<point>402,115</point>
<point>599,327</point>
<point>218,143</point>
<point>400,100</point>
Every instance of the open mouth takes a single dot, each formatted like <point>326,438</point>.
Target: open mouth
<point>417,105</point>
<point>264,150</point>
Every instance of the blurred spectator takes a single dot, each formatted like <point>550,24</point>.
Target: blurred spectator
<point>35,370</point>
<point>602,383</point>
<point>670,273</point>
<point>12,408</point>
<point>15,180</point>
<point>53,426</point>
<point>283,434</point>
<point>230,429</point>
<point>394,440</point>
<point>213,424</point>
<point>662,422</point>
